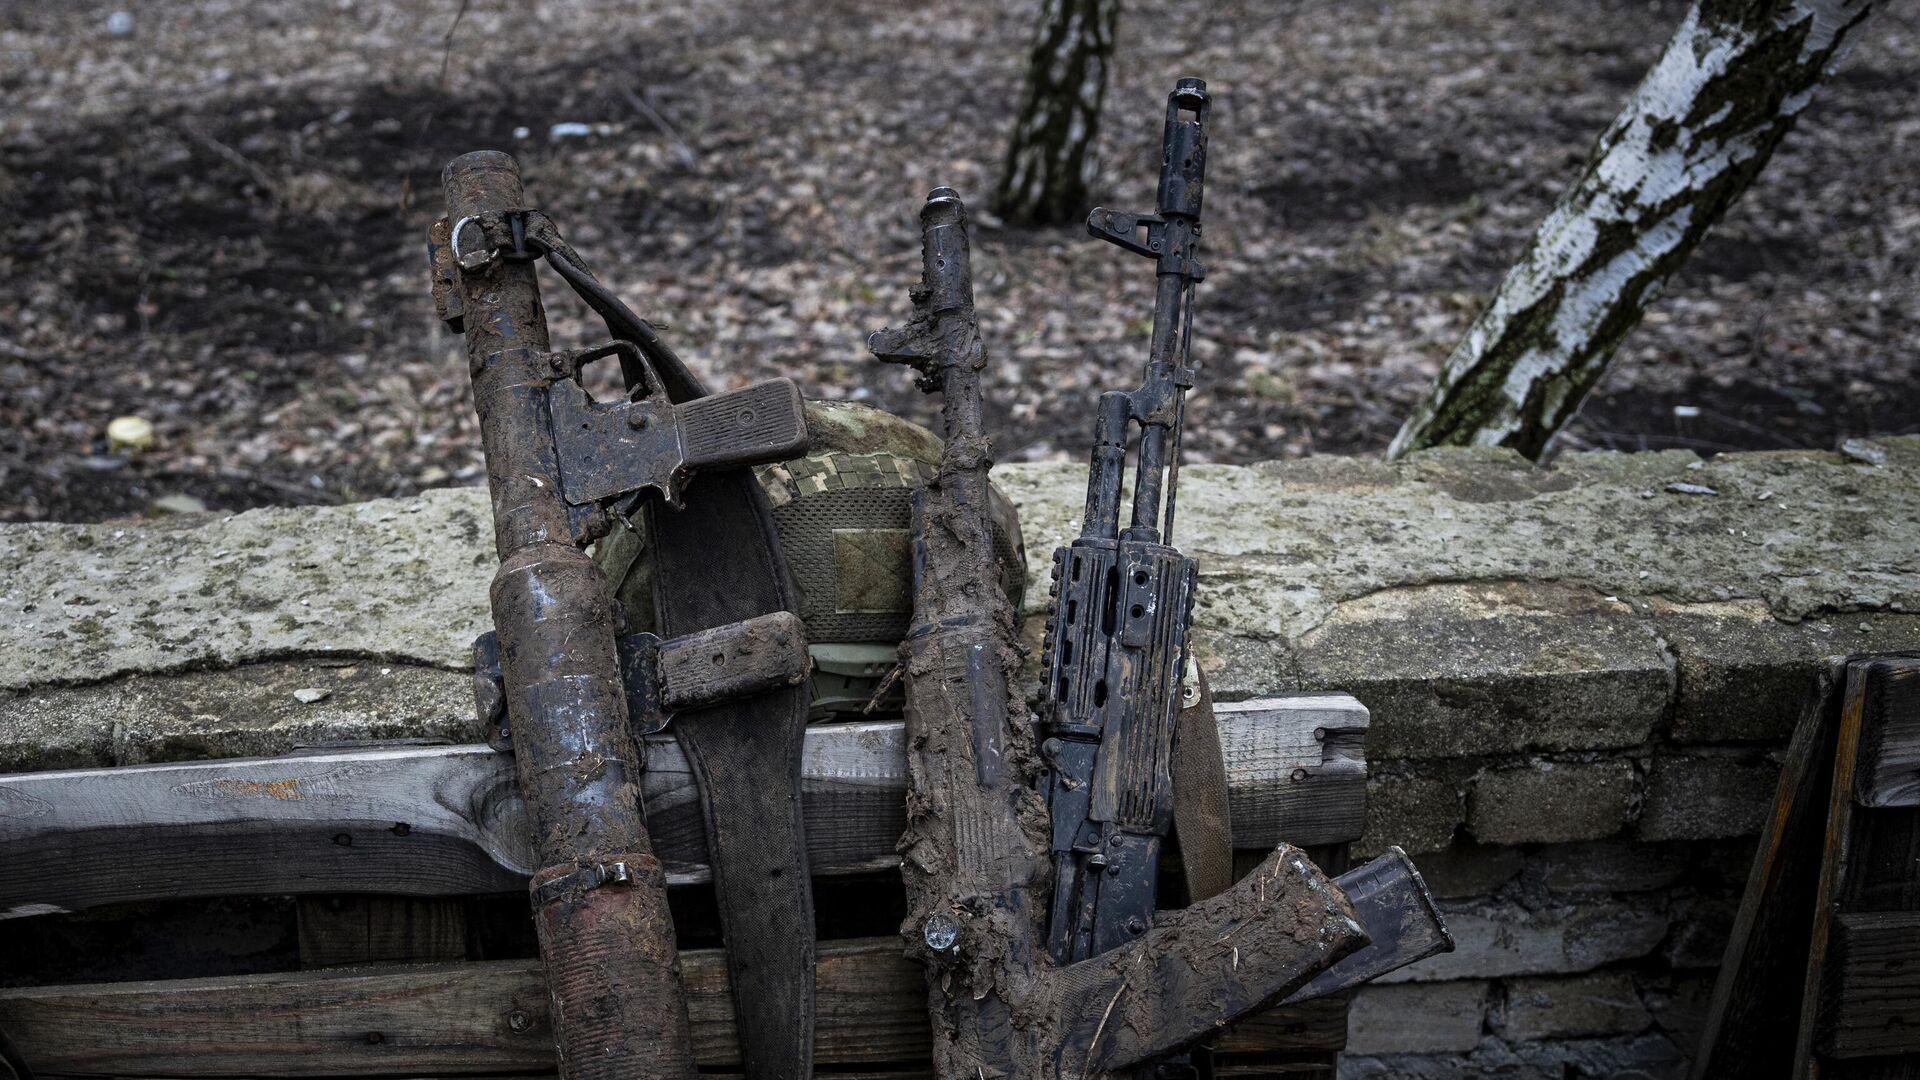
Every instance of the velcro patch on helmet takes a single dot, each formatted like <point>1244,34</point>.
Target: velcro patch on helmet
<point>873,571</point>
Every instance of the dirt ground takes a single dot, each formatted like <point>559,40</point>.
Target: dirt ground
<point>213,218</point>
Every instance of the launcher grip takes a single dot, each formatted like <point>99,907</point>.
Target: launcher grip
<point>754,424</point>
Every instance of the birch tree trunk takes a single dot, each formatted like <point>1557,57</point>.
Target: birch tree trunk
<point>1691,138</point>
<point>1050,163</point>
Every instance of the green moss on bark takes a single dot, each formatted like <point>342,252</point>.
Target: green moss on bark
<point>1744,104</point>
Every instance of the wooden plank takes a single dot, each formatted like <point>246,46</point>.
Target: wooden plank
<point>480,1017</point>
<point>1890,747</point>
<point>1278,748</point>
<point>336,931</point>
<point>1878,889</point>
<point>1835,840</point>
<point>423,821</point>
<point>1308,1027</point>
<point>1759,985</point>
<point>447,820</point>
<point>1872,865</point>
<point>1874,985</point>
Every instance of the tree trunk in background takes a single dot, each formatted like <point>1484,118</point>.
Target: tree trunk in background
<point>1691,138</point>
<point>1050,162</point>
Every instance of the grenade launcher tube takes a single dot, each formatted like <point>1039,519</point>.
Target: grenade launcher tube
<point>607,944</point>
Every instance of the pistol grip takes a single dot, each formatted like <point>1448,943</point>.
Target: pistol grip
<point>754,424</point>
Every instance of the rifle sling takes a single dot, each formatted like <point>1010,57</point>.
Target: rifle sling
<point>717,561</point>
<point>1200,818</point>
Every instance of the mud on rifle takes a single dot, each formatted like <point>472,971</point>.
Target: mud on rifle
<point>976,856</point>
<point>556,675</point>
<point>979,856</point>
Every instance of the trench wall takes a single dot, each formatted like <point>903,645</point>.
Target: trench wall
<point>1580,677</point>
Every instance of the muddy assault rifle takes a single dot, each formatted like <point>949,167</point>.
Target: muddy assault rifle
<point>1117,656</point>
<point>1117,659</point>
<point>976,857</point>
<point>571,694</point>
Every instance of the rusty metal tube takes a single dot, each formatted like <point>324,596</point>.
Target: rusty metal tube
<point>606,939</point>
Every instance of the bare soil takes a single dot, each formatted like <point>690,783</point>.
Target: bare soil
<point>216,220</point>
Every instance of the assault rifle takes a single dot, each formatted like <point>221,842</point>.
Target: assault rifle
<point>975,856</point>
<point>1117,652</point>
<point>567,691</point>
<point>1116,646</point>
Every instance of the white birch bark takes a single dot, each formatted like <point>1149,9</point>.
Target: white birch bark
<point>1691,138</point>
<point>1050,162</point>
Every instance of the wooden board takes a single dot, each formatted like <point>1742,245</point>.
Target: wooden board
<point>1748,1032</point>
<point>1890,749</point>
<point>448,821</point>
<point>1872,867</point>
<point>1874,988</point>
<point>1816,981</point>
<point>1836,840</point>
<point>1278,748</point>
<point>336,931</point>
<point>480,1017</point>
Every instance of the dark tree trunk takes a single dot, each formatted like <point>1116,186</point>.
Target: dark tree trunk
<point>1692,137</point>
<point>1050,162</point>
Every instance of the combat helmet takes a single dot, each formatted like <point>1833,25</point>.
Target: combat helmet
<point>842,515</point>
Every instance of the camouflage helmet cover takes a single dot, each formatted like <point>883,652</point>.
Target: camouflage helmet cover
<point>842,515</point>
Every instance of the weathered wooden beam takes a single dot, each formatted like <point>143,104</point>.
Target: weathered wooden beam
<point>1749,1030</point>
<point>1874,985</point>
<point>1277,749</point>
<point>447,820</point>
<point>1890,748</point>
<point>338,931</point>
<point>475,1018</point>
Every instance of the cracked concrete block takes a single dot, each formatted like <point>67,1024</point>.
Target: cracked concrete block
<point>1281,544</point>
<point>1468,869</point>
<point>254,711</point>
<point>1603,1003</point>
<point>404,580</point>
<point>1239,666</point>
<point>1743,673</point>
<point>1551,802</point>
<point>1454,669</point>
<point>1701,926</point>
<point>1706,797</point>
<point>34,739</point>
<point>1417,1018</point>
<point>1501,939</point>
<point>1679,1004</point>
